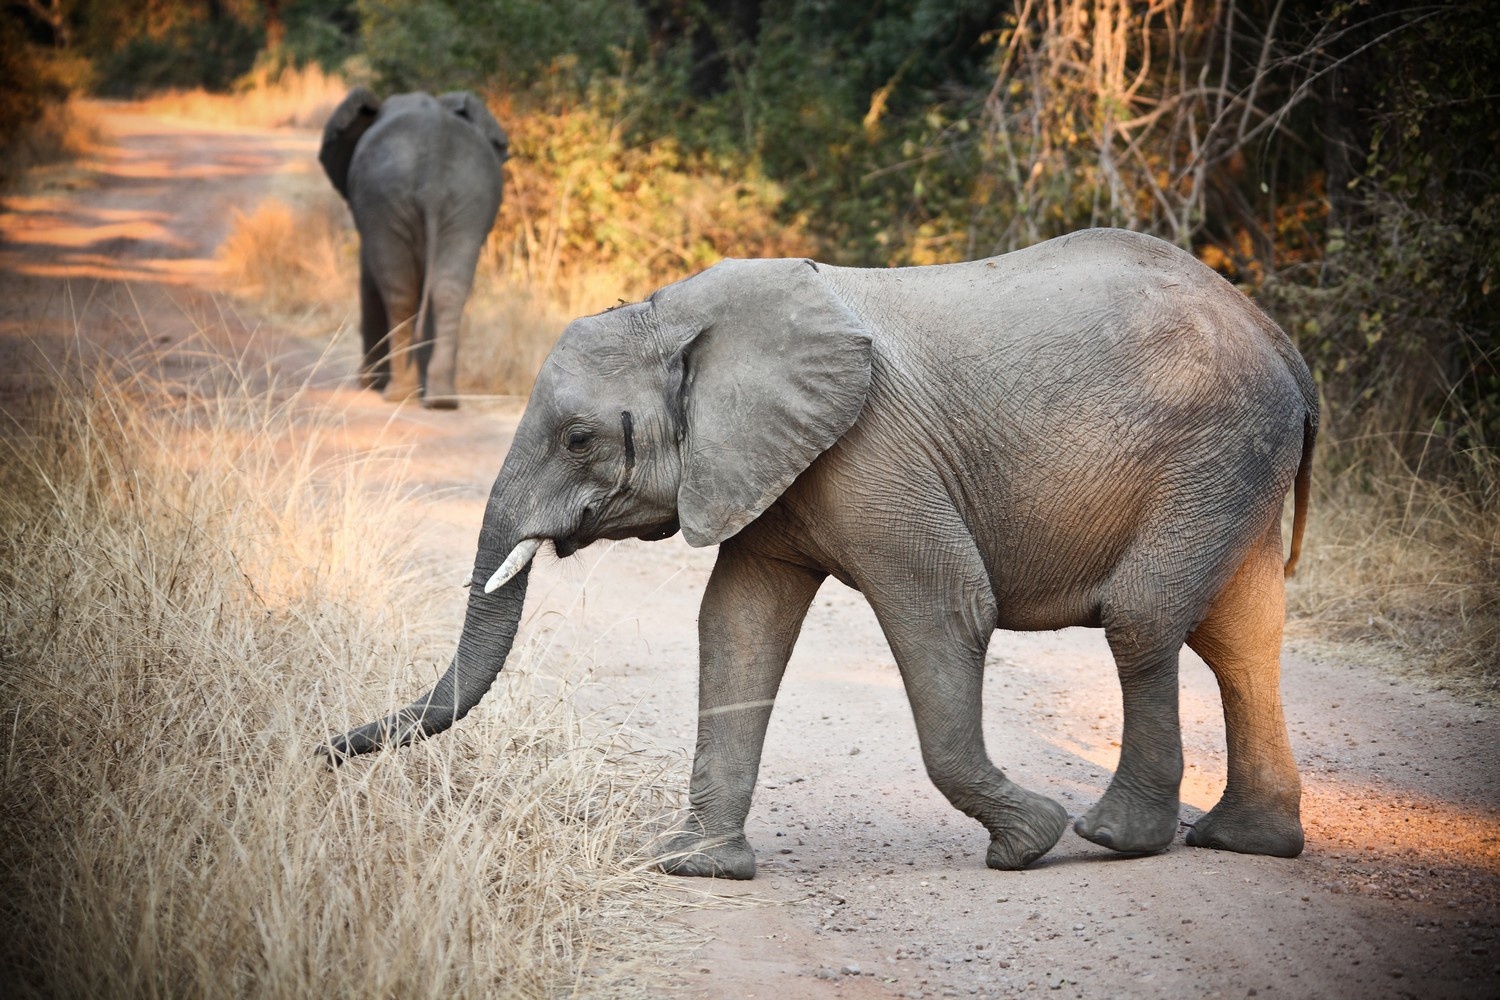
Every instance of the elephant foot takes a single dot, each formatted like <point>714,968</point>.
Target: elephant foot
<point>1130,824</point>
<point>439,402</point>
<point>1033,826</point>
<point>374,380</point>
<point>694,854</point>
<point>1249,828</point>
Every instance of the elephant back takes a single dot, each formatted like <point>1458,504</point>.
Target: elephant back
<point>374,148</point>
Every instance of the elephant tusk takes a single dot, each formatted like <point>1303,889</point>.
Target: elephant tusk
<point>513,564</point>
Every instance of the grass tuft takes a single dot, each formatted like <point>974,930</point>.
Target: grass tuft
<point>298,260</point>
<point>198,583</point>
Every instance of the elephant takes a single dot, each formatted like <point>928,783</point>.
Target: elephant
<point>1095,431</point>
<point>421,175</point>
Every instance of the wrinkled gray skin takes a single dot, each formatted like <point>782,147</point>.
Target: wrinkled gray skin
<point>1096,431</point>
<point>422,178</point>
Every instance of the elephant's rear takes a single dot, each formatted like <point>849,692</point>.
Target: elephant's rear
<point>1106,406</point>
<point>425,186</point>
<point>421,159</point>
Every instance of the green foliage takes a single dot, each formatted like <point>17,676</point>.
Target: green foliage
<point>1400,315</point>
<point>441,45</point>
<point>839,102</point>
<point>321,32</point>
<point>138,46</point>
<point>580,199</point>
<point>205,56</point>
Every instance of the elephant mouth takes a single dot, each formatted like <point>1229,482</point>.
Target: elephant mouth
<point>579,537</point>
<point>661,531</point>
<point>568,544</point>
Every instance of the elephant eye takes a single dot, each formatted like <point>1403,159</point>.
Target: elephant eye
<point>578,439</point>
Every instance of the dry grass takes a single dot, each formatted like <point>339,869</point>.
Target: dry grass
<point>196,584</point>
<point>298,260</point>
<point>1407,563</point>
<point>302,98</point>
<point>508,330</point>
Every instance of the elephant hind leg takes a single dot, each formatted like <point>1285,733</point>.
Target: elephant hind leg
<point>445,308</point>
<point>405,380</point>
<point>375,329</point>
<point>449,282</point>
<point>1240,640</point>
<point>390,287</point>
<point>1138,813</point>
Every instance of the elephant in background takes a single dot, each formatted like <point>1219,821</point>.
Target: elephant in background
<point>1095,431</point>
<point>422,178</point>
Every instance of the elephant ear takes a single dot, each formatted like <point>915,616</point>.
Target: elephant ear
<point>473,110</point>
<point>775,368</point>
<point>350,119</point>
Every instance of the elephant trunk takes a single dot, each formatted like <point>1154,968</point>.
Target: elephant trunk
<point>490,624</point>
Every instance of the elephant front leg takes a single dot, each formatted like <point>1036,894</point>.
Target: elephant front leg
<point>752,611</point>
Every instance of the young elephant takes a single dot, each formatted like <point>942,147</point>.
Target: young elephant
<point>1096,431</point>
<point>422,178</point>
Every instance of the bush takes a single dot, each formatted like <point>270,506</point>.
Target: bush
<point>581,197</point>
<point>439,45</point>
<point>209,54</point>
<point>22,88</point>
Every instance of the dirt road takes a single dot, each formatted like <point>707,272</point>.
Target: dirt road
<point>871,885</point>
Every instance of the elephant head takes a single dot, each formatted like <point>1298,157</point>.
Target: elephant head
<point>694,409</point>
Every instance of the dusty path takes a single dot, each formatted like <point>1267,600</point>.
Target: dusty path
<point>870,884</point>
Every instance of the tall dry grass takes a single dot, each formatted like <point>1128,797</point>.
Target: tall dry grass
<point>197,583</point>
<point>300,97</point>
<point>1407,562</point>
<point>296,257</point>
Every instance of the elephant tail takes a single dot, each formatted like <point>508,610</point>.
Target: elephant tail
<point>423,326</point>
<point>1307,387</point>
<point>1300,489</point>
